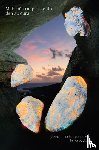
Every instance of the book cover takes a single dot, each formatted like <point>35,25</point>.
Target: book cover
<point>49,74</point>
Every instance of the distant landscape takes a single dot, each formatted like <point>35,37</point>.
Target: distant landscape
<point>33,85</point>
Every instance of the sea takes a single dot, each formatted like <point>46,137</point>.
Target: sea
<point>32,85</point>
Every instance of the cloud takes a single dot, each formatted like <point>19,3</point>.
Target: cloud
<point>57,68</point>
<point>43,74</point>
<point>52,73</point>
<point>68,55</point>
<point>44,78</point>
<point>43,68</point>
<point>53,53</point>
<point>56,53</point>
<point>57,78</point>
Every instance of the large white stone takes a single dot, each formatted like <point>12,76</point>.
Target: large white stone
<point>75,22</point>
<point>21,74</point>
<point>68,104</point>
<point>29,111</point>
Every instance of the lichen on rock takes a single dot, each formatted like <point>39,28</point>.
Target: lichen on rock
<point>30,112</point>
<point>21,74</point>
<point>68,104</point>
<point>75,22</point>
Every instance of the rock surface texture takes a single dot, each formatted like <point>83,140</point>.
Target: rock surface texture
<point>30,112</point>
<point>22,74</point>
<point>68,104</point>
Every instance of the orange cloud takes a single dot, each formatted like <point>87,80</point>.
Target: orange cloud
<point>43,78</point>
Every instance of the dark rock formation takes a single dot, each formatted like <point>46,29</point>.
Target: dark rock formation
<point>9,98</point>
<point>85,58</point>
<point>6,69</point>
<point>84,61</point>
<point>8,62</point>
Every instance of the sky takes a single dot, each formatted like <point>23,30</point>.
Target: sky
<point>47,50</point>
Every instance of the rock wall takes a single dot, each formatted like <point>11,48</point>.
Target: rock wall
<point>85,57</point>
<point>8,62</point>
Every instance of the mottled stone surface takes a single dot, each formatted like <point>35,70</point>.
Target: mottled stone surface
<point>30,112</point>
<point>21,74</point>
<point>68,104</point>
<point>75,22</point>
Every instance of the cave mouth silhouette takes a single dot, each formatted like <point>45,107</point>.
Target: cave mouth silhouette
<point>86,124</point>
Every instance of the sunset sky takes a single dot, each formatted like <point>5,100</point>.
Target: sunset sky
<point>48,65</point>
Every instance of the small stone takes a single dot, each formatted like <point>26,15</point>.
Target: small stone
<point>68,104</point>
<point>21,74</point>
<point>29,111</point>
